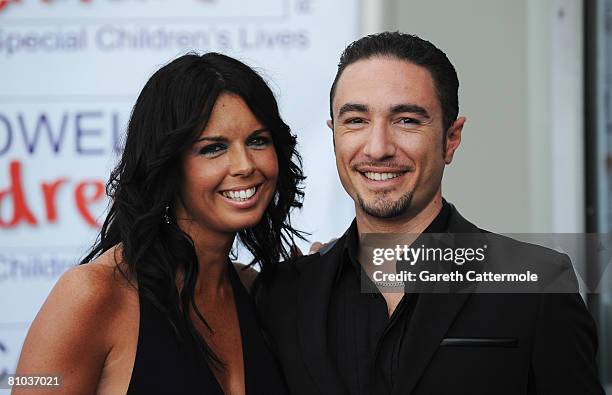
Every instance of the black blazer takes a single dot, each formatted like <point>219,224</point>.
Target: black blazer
<point>458,343</point>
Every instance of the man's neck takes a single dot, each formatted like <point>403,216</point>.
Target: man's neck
<point>411,223</point>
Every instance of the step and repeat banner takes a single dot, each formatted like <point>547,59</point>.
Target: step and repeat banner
<point>70,72</point>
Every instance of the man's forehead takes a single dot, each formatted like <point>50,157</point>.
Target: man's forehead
<point>384,82</point>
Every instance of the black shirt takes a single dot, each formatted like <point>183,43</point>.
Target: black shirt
<point>363,340</point>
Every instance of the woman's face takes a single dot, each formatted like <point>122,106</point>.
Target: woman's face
<point>230,173</point>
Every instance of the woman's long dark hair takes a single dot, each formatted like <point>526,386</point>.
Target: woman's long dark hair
<point>169,115</point>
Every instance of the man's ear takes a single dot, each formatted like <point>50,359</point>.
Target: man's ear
<point>453,139</point>
<point>330,125</point>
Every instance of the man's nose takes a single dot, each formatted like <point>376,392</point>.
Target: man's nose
<point>380,144</point>
<point>241,162</point>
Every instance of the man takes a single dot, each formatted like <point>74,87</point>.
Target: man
<point>394,119</point>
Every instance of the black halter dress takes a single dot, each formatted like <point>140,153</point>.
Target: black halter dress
<point>166,365</point>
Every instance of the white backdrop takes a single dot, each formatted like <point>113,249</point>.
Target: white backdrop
<point>70,72</point>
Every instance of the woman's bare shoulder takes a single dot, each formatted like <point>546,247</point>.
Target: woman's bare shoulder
<point>110,267</point>
<point>94,282</point>
<point>75,328</point>
<point>92,292</point>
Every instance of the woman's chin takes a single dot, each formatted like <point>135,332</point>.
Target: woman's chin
<point>245,222</point>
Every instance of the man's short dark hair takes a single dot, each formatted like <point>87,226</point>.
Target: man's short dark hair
<point>414,50</point>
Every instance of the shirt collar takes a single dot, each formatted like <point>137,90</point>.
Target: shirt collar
<point>351,247</point>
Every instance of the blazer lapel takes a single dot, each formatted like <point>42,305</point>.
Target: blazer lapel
<point>315,286</point>
<point>434,314</point>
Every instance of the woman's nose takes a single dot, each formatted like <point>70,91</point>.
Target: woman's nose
<point>241,163</point>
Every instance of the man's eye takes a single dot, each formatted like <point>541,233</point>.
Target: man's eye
<point>212,149</point>
<point>259,141</point>
<point>354,121</point>
<point>409,121</point>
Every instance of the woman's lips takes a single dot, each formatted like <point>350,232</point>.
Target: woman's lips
<point>242,198</point>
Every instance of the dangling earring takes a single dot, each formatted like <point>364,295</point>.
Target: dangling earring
<point>166,214</point>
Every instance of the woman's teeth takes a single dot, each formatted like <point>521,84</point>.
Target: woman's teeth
<point>381,176</point>
<point>240,195</point>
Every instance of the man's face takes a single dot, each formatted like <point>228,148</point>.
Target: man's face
<point>388,137</point>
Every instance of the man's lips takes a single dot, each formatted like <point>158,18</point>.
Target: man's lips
<point>374,176</point>
<point>379,173</point>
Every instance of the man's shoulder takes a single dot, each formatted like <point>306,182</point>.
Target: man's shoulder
<point>281,282</point>
<point>276,289</point>
<point>526,247</point>
<point>523,245</point>
<point>522,254</point>
<point>291,269</point>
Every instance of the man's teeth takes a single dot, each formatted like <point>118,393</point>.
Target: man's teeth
<point>381,176</point>
<point>240,195</point>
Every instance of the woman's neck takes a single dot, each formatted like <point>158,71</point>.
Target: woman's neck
<point>212,250</point>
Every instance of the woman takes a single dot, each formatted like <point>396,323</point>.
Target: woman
<point>159,308</point>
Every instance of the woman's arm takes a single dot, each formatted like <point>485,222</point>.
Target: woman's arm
<point>70,335</point>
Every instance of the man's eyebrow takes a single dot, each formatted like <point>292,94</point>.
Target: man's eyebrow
<point>221,139</point>
<point>413,108</point>
<point>348,107</point>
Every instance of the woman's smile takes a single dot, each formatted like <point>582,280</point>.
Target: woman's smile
<point>242,197</point>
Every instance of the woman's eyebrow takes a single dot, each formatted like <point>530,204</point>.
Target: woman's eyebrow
<point>258,131</point>
<point>219,139</point>
<point>222,139</point>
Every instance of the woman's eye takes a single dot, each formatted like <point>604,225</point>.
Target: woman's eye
<point>212,149</point>
<point>259,141</point>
